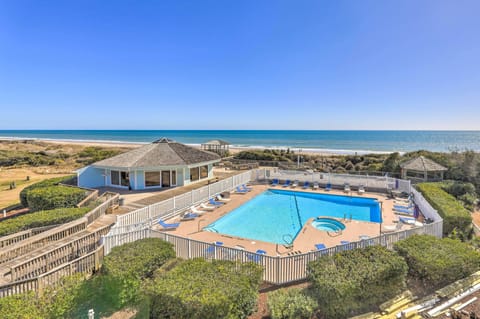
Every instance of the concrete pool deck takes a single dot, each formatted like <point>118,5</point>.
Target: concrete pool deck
<point>306,238</point>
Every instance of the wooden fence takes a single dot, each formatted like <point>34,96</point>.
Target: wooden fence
<point>86,264</point>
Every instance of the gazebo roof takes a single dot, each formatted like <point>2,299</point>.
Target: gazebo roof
<point>422,164</point>
<point>217,142</point>
<point>163,152</point>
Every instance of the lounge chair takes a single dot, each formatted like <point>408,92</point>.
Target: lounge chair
<point>220,198</point>
<point>244,187</point>
<point>346,188</point>
<point>344,242</point>
<point>207,207</point>
<point>189,216</point>
<point>211,201</point>
<point>211,248</point>
<point>361,190</point>
<point>328,187</point>
<point>306,185</point>
<point>401,211</point>
<point>274,182</point>
<point>257,257</point>
<point>197,211</point>
<point>240,191</point>
<point>315,185</point>
<point>167,225</point>
<point>320,246</point>
<point>407,220</point>
<point>404,207</point>
<point>294,184</point>
<point>364,237</point>
<point>287,183</point>
<point>391,228</point>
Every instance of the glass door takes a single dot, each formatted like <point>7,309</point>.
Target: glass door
<point>165,178</point>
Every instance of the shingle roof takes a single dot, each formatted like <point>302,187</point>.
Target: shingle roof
<point>217,142</point>
<point>163,152</point>
<point>422,164</point>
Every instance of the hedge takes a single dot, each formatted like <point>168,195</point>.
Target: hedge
<point>201,289</point>
<point>455,216</point>
<point>292,303</point>
<point>51,197</point>
<point>44,183</point>
<point>127,265</point>
<point>356,281</point>
<point>436,261</point>
<point>41,218</point>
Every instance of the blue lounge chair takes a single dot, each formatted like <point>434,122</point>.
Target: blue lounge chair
<point>244,187</point>
<point>257,257</point>
<point>407,220</point>
<point>287,183</point>
<point>213,202</point>
<point>403,211</point>
<point>189,216</point>
<point>240,191</point>
<point>211,248</point>
<point>167,225</point>
<point>274,182</point>
<point>306,185</point>
<point>344,242</point>
<point>328,187</point>
<point>403,207</point>
<point>320,246</point>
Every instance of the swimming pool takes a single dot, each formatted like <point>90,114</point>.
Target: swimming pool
<point>276,216</point>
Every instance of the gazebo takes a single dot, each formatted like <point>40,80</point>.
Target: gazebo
<point>218,146</point>
<point>422,169</point>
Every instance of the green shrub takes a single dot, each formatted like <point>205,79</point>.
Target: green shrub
<point>51,197</point>
<point>24,306</point>
<point>128,264</point>
<point>41,218</point>
<point>291,303</point>
<point>44,183</point>
<point>356,280</point>
<point>454,215</point>
<point>92,154</point>
<point>438,261</point>
<point>199,289</point>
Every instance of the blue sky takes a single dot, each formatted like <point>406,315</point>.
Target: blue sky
<point>404,64</point>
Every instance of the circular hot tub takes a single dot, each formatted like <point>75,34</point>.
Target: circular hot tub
<point>328,224</point>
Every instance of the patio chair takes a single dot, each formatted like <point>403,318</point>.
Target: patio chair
<point>197,211</point>
<point>220,198</point>
<point>361,190</point>
<point>320,246</point>
<point>167,225</point>
<point>244,187</point>
<point>402,211</point>
<point>238,190</point>
<point>274,182</point>
<point>212,247</point>
<point>328,187</point>
<point>344,242</point>
<point>287,183</point>
<point>207,207</point>
<point>257,256</point>
<point>294,184</point>
<point>346,188</point>
<point>315,186</point>
<point>409,207</point>
<point>306,185</point>
<point>211,201</point>
<point>189,216</point>
<point>407,220</point>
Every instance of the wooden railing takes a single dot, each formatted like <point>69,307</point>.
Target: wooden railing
<point>42,239</point>
<point>86,264</point>
<point>12,239</point>
<point>57,256</point>
<point>102,208</point>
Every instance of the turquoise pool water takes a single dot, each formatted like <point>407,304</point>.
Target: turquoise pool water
<point>276,216</point>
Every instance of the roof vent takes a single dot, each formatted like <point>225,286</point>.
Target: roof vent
<point>164,140</point>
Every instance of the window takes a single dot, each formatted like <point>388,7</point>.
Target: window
<point>204,171</point>
<point>152,179</point>
<point>194,174</point>
<point>115,178</point>
<point>174,177</point>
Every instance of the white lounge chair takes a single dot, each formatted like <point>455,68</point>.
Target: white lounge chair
<point>361,190</point>
<point>346,188</point>
<point>315,185</point>
<point>222,199</point>
<point>294,184</point>
<point>207,207</point>
<point>197,211</point>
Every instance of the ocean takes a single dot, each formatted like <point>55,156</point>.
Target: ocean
<point>338,142</point>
